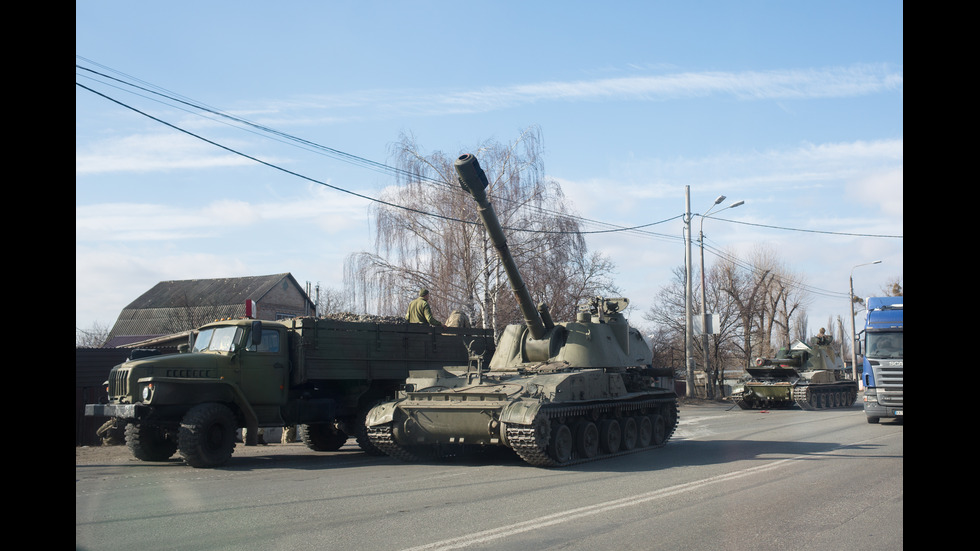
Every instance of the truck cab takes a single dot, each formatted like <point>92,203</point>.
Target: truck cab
<point>884,359</point>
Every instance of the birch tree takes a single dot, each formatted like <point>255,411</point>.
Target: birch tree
<point>433,239</point>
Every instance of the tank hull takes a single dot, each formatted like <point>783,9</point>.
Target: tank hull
<point>528,414</point>
<point>808,396</point>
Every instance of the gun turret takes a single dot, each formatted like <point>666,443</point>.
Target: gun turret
<point>474,181</point>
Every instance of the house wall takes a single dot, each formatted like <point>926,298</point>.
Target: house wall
<point>283,300</point>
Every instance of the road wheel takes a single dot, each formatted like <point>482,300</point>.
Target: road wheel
<point>644,431</point>
<point>207,435</point>
<point>587,439</point>
<point>610,435</point>
<point>322,437</point>
<point>562,443</point>
<point>630,433</point>
<point>658,433</point>
<point>149,442</point>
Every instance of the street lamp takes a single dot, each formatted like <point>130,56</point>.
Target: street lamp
<point>704,304</point>
<point>850,296</point>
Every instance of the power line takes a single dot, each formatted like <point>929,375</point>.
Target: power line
<point>373,165</point>
<point>163,96</point>
<point>808,231</point>
<point>340,155</point>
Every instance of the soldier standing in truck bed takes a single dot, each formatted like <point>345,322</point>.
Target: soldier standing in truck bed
<point>419,310</point>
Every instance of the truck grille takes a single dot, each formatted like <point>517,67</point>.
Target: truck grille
<point>889,381</point>
<point>119,382</point>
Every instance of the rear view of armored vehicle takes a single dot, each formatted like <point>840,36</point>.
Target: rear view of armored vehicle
<point>810,376</point>
<point>555,393</point>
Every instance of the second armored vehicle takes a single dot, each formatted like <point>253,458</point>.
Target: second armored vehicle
<point>555,393</point>
<point>810,376</point>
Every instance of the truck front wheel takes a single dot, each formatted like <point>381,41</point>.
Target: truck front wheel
<point>207,435</point>
<point>149,442</point>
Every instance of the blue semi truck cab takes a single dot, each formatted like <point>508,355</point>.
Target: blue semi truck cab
<point>883,359</point>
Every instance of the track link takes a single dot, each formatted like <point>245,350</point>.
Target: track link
<point>381,437</point>
<point>833,396</point>
<point>531,442</point>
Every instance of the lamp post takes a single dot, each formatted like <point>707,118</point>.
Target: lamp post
<point>704,304</point>
<point>850,296</point>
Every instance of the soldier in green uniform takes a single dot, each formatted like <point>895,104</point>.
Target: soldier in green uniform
<point>419,310</point>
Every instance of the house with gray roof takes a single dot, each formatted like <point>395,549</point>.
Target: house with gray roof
<point>175,307</point>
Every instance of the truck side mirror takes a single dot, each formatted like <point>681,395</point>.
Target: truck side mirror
<point>256,332</point>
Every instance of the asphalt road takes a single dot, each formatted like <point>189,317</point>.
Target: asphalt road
<point>728,480</point>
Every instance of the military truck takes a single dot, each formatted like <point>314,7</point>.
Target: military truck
<point>322,375</point>
<point>811,376</point>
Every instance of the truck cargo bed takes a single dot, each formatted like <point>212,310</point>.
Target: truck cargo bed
<point>329,349</point>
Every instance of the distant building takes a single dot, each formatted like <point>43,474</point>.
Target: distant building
<point>175,307</point>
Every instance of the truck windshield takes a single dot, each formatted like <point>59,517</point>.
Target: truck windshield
<point>218,339</point>
<point>885,345</point>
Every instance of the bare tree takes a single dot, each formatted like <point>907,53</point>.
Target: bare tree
<point>434,239</point>
<point>724,348</point>
<point>746,289</point>
<point>893,288</point>
<point>93,337</point>
<point>760,307</point>
<point>784,300</point>
<point>329,300</point>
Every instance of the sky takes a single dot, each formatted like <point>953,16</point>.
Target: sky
<point>795,108</point>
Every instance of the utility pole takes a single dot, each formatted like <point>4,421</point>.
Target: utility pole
<point>850,297</point>
<point>688,329</point>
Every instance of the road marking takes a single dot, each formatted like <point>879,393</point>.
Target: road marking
<point>572,514</point>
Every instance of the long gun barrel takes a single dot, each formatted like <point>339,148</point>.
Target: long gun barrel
<point>794,361</point>
<point>474,181</point>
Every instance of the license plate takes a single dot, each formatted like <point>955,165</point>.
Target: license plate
<point>898,412</point>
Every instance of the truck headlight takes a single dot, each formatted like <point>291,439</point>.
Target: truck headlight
<point>871,396</point>
<point>147,392</point>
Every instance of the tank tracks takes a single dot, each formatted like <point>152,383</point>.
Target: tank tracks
<point>381,438</point>
<point>563,435</point>
<point>739,400</point>
<point>831,396</point>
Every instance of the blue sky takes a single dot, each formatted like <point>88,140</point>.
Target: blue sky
<point>795,108</point>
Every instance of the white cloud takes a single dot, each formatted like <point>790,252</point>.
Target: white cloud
<point>884,190</point>
<point>847,81</point>
<point>152,152</point>
<point>109,278</point>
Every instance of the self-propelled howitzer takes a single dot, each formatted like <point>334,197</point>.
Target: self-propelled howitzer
<point>811,376</point>
<point>555,393</point>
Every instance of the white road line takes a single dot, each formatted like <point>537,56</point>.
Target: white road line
<point>572,514</point>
